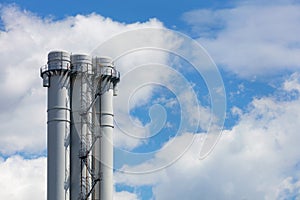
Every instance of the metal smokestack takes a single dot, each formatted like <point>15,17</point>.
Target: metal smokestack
<point>80,126</point>
<point>56,76</point>
<point>103,152</point>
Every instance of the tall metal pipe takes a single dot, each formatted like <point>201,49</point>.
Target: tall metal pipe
<point>81,129</point>
<point>56,77</point>
<point>96,160</point>
<point>103,152</point>
<point>106,129</point>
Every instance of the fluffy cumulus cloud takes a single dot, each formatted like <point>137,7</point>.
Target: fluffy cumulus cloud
<point>22,178</point>
<point>125,196</point>
<point>26,179</point>
<point>257,159</point>
<point>251,38</point>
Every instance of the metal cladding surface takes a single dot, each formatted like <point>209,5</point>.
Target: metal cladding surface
<point>103,152</point>
<point>81,63</point>
<point>58,60</point>
<point>106,152</point>
<point>80,126</point>
<point>58,125</point>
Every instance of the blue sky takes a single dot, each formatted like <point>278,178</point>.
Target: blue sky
<point>169,111</point>
<point>127,12</point>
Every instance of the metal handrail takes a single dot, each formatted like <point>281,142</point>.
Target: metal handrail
<point>45,68</point>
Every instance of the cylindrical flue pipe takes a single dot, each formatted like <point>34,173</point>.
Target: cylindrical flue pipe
<point>81,129</point>
<point>103,152</point>
<point>56,78</point>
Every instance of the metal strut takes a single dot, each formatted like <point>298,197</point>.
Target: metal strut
<point>91,105</point>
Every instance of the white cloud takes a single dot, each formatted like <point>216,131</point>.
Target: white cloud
<point>22,179</point>
<point>23,123</point>
<point>250,38</point>
<point>26,179</point>
<point>236,111</point>
<point>257,159</point>
<point>136,89</point>
<point>292,84</point>
<point>124,195</point>
<point>289,188</point>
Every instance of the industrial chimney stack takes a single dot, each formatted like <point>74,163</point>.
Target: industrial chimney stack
<point>80,126</point>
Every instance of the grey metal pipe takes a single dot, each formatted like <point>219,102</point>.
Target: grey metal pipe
<point>81,130</point>
<point>106,145</point>
<point>57,75</point>
<point>103,152</point>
